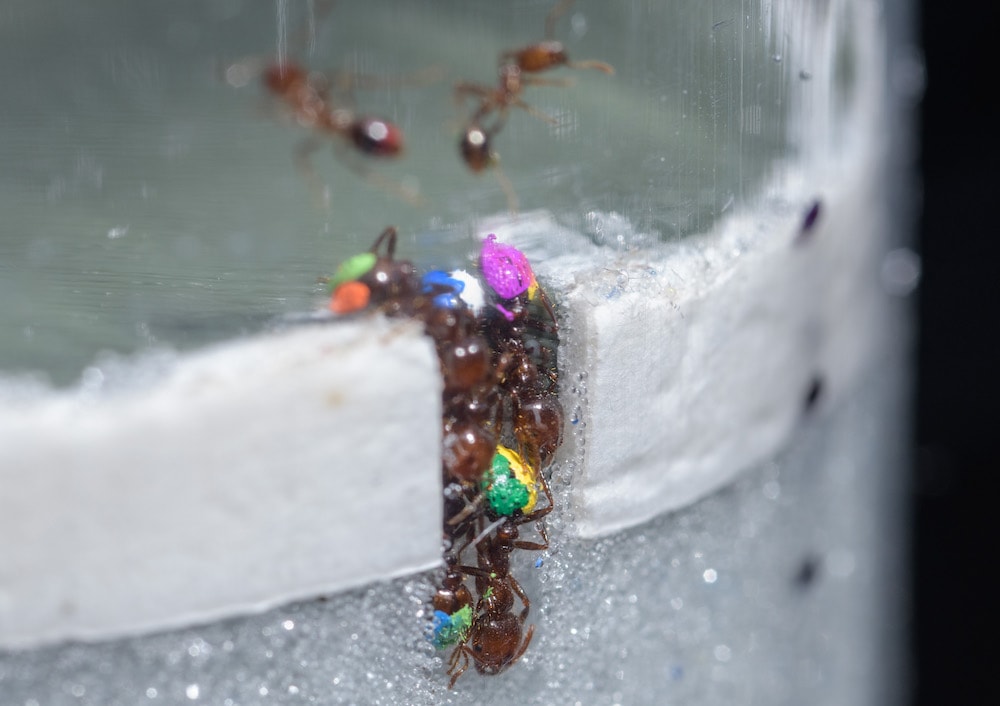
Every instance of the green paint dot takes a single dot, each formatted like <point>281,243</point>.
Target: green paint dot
<point>504,493</point>
<point>353,268</point>
<point>456,630</point>
<point>500,465</point>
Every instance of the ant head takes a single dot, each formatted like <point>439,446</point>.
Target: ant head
<point>542,56</point>
<point>507,532</point>
<point>476,150</point>
<point>376,137</point>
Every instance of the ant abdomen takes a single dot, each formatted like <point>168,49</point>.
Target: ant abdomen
<point>538,424</point>
<point>376,137</point>
<point>467,449</point>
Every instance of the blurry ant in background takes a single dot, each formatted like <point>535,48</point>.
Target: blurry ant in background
<point>494,102</point>
<point>322,102</point>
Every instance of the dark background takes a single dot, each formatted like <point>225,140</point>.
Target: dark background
<point>955,658</point>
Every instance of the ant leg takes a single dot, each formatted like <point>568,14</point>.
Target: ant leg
<point>464,89</point>
<point>475,571</point>
<point>350,160</point>
<point>470,508</point>
<point>535,546</point>
<point>539,514</point>
<point>601,66</point>
<point>460,651</point>
<point>547,303</point>
<point>524,646</point>
<point>508,189</point>
<point>516,587</point>
<point>535,113</point>
<point>347,81</point>
<point>485,95</point>
<point>543,81</point>
<point>303,160</point>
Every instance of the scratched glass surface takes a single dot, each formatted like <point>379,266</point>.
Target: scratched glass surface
<point>151,200</point>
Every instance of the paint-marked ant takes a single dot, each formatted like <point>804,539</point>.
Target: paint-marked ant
<point>453,603</point>
<point>493,386</point>
<point>497,638</point>
<point>494,102</point>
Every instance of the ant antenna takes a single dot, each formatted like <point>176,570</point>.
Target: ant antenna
<point>485,533</point>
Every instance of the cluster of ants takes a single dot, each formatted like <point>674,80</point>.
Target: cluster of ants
<point>495,333</point>
<point>322,104</point>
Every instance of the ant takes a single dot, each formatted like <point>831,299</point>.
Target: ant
<point>469,395</point>
<point>322,104</point>
<point>537,414</point>
<point>490,386</point>
<point>497,638</point>
<point>375,278</point>
<point>507,493</point>
<point>453,605</point>
<point>488,119</point>
<point>308,96</point>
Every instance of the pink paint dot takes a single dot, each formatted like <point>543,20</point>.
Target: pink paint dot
<point>505,268</point>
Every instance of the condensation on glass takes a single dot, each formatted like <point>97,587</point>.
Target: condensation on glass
<point>151,207</point>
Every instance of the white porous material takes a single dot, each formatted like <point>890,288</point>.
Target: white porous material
<point>251,474</point>
<point>692,362</point>
<point>683,364</point>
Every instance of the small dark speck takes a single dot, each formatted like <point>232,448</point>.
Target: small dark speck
<point>677,672</point>
<point>808,572</point>
<point>813,393</point>
<point>805,75</point>
<point>809,221</point>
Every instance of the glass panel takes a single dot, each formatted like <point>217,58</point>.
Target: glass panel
<point>149,202</point>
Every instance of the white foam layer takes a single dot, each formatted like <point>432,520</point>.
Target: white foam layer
<point>251,474</point>
<point>685,364</point>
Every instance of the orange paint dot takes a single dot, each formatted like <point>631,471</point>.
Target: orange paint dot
<point>349,296</point>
